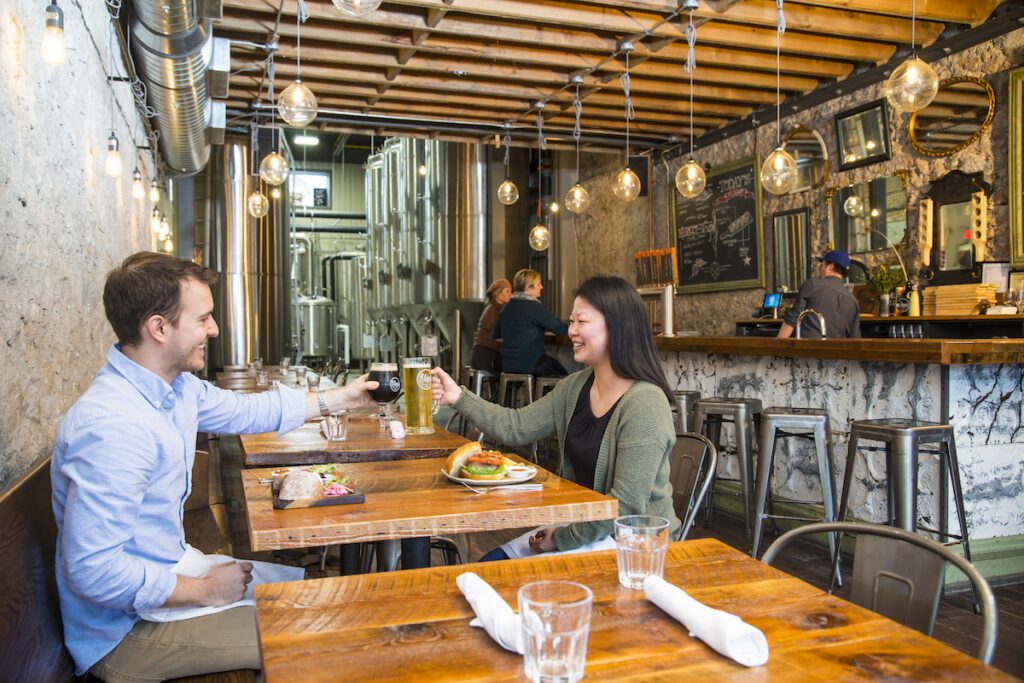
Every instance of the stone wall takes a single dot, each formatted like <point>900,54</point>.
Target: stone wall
<point>63,223</point>
<point>612,231</point>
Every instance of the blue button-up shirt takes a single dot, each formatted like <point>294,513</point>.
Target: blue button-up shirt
<point>121,471</point>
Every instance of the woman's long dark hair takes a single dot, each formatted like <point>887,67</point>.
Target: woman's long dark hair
<point>630,342</point>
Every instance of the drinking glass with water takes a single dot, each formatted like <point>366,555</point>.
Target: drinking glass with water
<point>556,623</point>
<point>640,543</point>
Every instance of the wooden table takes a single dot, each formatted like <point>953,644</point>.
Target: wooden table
<point>410,499</point>
<point>414,626</point>
<point>366,443</point>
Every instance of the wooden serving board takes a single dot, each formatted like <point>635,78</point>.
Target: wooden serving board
<point>352,498</point>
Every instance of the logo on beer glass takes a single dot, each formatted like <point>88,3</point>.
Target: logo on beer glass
<point>423,379</point>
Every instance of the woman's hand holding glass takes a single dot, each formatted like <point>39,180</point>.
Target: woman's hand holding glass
<point>443,388</point>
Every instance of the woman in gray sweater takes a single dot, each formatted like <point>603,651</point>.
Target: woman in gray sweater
<point>613,419</point>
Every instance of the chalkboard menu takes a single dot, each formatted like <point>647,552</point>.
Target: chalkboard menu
<point>719,232</point>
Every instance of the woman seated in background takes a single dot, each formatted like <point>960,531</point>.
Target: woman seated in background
<point>486,354</point>
<point>613,419</point>
<point>521,327</point>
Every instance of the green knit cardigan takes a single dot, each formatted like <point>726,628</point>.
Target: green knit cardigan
<point>632,464</point>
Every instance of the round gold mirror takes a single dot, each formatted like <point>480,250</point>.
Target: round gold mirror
<point>960,114</point>
<point>808,148</point>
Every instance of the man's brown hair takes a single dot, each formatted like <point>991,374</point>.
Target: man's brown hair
<point>144,285</point>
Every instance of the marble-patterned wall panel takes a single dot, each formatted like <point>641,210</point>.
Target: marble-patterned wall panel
<point>993,482</point>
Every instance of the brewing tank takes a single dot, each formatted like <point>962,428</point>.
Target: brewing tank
<point>317,336</point>
<point>348,276</point>
<point>376,227</point>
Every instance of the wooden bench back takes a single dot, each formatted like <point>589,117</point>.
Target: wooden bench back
<point>31,632</point>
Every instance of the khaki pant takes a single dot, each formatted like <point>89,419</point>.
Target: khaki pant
<point>154,651</point>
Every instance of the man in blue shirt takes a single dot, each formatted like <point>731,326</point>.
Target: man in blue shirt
<point>121,472</point>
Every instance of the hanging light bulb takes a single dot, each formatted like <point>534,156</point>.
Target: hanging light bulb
<point>690,179</point>
<point>508,193</point>
<point>853,206</point>
<point>274,169</point>
<point>778,172</point>
<point>553,207</point>
<point>627,185</point>
<point>540,237</point>
<point>154,222</point>
<point>168,245</point>
<point>138,189</point>
<point>577,199</point>
<point>165,228</point>
<point>52,50</point>
<point>154,192</point>
<point>912,86</point>
<point>112,166</point>
<point>259,205</point>
<point>357,8</point>
<point>275,193</point>
<point>422,169</point>
<point>297,105</point>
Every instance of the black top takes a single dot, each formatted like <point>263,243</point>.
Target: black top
<point>583,436</point>
<point>520,327</point>
<point>830,297</point>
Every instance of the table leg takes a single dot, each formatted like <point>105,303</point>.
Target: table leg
<point>387,555</point>
<point>415,553</point>
<point>350,559</point>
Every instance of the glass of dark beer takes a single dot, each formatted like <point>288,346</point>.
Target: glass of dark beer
<point>386,375</point>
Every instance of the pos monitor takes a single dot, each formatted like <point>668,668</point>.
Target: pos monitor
<point>771,303</point>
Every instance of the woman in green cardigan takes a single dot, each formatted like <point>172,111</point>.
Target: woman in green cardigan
<point>613,419</point>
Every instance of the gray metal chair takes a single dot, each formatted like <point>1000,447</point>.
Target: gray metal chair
<point>899,575</point>
<point>682,411</point>
<point>691,469</point>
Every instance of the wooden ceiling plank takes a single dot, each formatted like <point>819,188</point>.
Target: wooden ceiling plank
<point>971,12</point>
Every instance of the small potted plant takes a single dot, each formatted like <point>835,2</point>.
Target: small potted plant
<point>885,281</point>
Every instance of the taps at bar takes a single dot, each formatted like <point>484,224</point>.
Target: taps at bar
<point>332,364</point>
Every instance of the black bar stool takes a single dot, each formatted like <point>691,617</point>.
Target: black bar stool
<point>682,411</point>
<point>773,422</point>
<point>902,438</point>
<point>708,416</point>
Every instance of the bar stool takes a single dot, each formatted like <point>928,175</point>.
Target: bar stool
<point>517,382</point>
<point>478,379</point>
<point>902,438</point>
<point>543,385</point>
<point>773,421</point>
<point>708,416</point>
<point>682,411</point>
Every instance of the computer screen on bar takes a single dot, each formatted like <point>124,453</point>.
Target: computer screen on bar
<point>772,300</point>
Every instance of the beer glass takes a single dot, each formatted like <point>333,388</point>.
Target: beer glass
<point>386,375</point>
<point>419,407</point>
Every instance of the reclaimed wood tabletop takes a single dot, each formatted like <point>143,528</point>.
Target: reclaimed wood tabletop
<point>366,442</point>
<point>414,626</point>
<point>412,499</point>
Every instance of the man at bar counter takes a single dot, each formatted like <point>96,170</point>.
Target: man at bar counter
<point>829,296</point>
<point>121,472</point>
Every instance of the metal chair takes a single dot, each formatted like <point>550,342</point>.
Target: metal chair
<point>691,469</point>
<point>899,575</point>
<point>682,411</point>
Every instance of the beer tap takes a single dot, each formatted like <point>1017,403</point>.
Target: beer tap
<point>803,314</point>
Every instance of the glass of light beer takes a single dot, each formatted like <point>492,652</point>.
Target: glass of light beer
<point>419,407</point>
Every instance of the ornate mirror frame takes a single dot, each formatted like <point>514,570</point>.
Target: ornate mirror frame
<point>901,245</point>
<point>792,133</point>
<point>955,187</point>
<point>921,149</point>
<point>1015,127</point>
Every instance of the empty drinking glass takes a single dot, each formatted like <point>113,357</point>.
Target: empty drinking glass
<point>261,378</point>
<point>556,623</point>
<point>336,426</point>
<point>640,543</point>
<point>300,376</point>
<point>286,364</point>
<point>312,381</point>
<point>258,362</point>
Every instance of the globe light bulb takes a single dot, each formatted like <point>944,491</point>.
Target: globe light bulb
<point>853,206</point>
<point>627,185</point>
<point>357,8</point>
<point>275,193</point>
<point>52,50</point>
<point>690,179</point>
<point>423,169</point>
<point>274,169</point>
<point>577,199</point>
<point>154,192</point>
<point>297,105</point>
<point>778,172</point>
<point>259,205</point>
<point>540,238</point>
<point>553,207</point>
<point>168,245</point>
<point>112,166</point>
<point>138,189</point>
<point>912,86</point>
<point>508,193</point>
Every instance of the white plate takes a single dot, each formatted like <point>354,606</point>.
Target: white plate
<point>530,474</point>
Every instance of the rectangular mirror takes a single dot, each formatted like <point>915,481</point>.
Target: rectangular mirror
<point>1015,133</point>
<point>869,216</point>
<point>863,135</point>
<point>957,250</point>
<point>792,238</point>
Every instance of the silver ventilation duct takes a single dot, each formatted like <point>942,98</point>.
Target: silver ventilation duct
<point>173,49</point>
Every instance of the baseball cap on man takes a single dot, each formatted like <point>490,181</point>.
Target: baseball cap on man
<point>840,258</point>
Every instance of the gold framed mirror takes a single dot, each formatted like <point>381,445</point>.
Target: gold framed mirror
<point>958,116</point>
<point>1015,128</point>
<point>870,215</point>
<point>808,148</point>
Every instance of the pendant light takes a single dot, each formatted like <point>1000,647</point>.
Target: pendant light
<point>778,172</point>
<point>540,236</point>
<point>913,85</point>
<point>577,199</point>
<point>275,193</point>
<point>508,193</point>
<point>258,204</point>
<point>627,184</point>
<point>274,167</point>
<point>853,206</point>
<point>154,222</point>
<point>138,189</point>
<point>112,165</point>
<point>690,178</point>
<point>154,192</point>
<point>297,104</point>
<point>52,50</point>
<point>357,8</point>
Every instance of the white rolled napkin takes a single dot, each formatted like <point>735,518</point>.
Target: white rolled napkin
<point>492,612</point>
<point>725,633</point>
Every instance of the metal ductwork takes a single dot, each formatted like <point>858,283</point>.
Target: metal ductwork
<point>173,49</point>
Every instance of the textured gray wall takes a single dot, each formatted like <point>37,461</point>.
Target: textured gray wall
<point>63,223</point>
<point>612,231</point>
